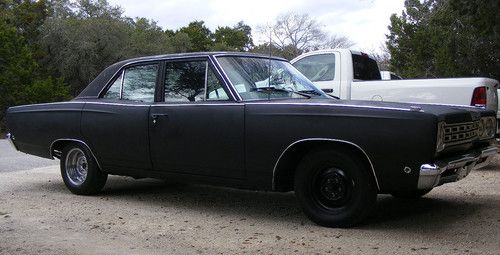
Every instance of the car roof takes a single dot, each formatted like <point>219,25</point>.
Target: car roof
<point>199,54</point>
<point>96,86</point>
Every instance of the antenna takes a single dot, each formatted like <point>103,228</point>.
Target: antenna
<point>269,65</point>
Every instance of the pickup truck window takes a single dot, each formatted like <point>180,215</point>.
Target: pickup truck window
<point>365,68</point>
<point>317,67</point>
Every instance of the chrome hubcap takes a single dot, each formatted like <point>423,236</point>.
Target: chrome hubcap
<point>76,166</point>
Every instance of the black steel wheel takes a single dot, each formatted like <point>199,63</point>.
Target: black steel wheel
<point>335,188</point>
<point>80,171</point>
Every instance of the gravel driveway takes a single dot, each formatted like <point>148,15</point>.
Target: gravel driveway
<point>38,215</point>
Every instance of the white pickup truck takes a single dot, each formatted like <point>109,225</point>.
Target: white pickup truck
<point>354,75</point>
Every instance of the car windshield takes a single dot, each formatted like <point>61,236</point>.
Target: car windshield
<point>256,78</point>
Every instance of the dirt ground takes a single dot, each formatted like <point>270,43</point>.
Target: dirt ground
<point>38,215</point>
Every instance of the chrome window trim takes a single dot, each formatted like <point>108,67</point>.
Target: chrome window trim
<point>140,61</point>
<point>121,83</point>
<point>206,82</point>
<point>120,104</point>
<point>229,82</point>
<point>73,140</point>
<point>338,105</point>
<point>328,140</point>
<point>53,103</point>
<point>228,86</point>
<point>207,59</point>
<point>195,104</point>
<point>236,54</point>
<point>229,103</point>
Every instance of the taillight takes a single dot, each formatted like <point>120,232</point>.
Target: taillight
<point>479,97</point>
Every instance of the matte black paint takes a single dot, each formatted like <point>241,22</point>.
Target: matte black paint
<point>232,142</point>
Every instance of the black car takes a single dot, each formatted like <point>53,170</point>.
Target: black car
<point>252,121</point>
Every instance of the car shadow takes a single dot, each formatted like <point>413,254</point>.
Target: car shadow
<point>430,213</point>
<point>239,203</point>
<point>433,212</point>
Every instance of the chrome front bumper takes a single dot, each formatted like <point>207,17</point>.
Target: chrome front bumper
<point>454,169</point>
<point>11,139</point>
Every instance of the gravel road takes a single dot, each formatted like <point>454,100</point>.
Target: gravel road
<point>38,215</point>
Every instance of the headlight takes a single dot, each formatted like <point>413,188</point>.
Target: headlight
<point>440,137</point>
<point>487,127</point>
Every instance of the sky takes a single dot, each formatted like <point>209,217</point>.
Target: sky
<point>362,21</point>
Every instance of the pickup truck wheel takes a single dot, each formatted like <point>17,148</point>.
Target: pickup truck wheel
<point>80,171</point>
<point>334,188</point>
<point>412,194</point>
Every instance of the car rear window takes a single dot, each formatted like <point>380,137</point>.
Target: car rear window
<point>365,68</point>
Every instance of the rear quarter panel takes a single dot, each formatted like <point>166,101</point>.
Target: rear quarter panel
<point>35,127</point>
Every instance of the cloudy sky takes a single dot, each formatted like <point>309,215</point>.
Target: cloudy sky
<point>363,21</point>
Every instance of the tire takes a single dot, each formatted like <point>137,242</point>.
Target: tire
<point>412,194</point>
<point>80,171</point>
<point>334,189</point>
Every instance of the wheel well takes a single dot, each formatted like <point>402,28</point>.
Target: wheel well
<point>58,145</point>
<point>284,172</point>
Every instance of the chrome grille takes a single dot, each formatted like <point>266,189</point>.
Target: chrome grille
<point>460,133</point>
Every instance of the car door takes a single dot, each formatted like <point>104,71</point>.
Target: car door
<point>197,128</point>
<point>117,124</point>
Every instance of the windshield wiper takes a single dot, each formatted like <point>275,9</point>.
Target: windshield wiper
<point>311,91</point>
<point>315,92</point>
<point>271,89</point>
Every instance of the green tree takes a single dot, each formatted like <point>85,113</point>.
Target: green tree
<point>443,38</point>
<point>91,35</point>
<point>147,38</point>
<point>26,16</point>
<point>237,38</point>
<point>20,79</point>
<point>79,49</point>
<point>179,42</point>
<point>199,35</point>
<point>96,9</point>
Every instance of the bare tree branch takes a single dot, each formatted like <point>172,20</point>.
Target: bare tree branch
<point>294,34</point>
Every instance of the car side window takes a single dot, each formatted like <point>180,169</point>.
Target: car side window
<point>139,83</point>
<point>192,81</point>
<point>317,67</point>
<point>136,83</point>
<point>215,90</point>
<point>115,89</point>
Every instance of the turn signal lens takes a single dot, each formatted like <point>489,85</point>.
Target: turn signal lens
<point>440,137</point>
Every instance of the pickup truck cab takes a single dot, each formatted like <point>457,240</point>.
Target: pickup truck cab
<point>354,75</point>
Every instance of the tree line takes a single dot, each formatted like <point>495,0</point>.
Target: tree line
<point>446,38</point>
<point>51,49</point>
